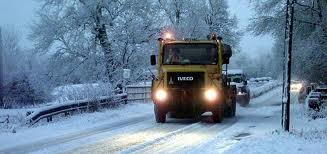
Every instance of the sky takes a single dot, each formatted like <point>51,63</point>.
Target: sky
<point>254,45</point>
<point>21,13</point>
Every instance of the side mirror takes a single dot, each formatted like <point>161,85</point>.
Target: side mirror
<point>245,82</point>
<point>153,60</point>
<point>227,53</point>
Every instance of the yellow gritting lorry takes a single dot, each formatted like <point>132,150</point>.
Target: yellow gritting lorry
<point>189,79</point>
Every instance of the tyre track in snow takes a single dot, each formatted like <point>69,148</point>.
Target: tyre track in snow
<point>184,140</point>
<point>171,137</point>
<point>179,140</point>
<point>26,148</point>
<point>124,140</point>
<point>267,99</point>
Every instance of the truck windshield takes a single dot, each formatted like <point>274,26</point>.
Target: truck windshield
<point>190,54</point>
<point>236,78</point>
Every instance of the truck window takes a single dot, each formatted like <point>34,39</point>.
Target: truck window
<point>190,54</point>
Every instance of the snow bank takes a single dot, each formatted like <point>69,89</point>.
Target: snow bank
<point>257,90</point>
<point>81,91</point>
<point>306,136</point>
<point>11,118</point>
<point>73,124</point>
<point>71,105</point>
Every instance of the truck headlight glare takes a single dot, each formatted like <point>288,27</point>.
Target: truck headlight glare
<point>161,95</point>
<point>211,95</point>
<point>168,36</point>
<point>299,86</point>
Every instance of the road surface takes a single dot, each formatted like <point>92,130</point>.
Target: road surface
<point>141,134</point>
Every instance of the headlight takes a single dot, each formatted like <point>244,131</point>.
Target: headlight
<point>299,86</point>
<point>161,95</point>
<point>211,95</point>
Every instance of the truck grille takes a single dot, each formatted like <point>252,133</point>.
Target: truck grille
<point>185,80</point>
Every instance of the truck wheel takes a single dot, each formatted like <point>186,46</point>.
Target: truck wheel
<point>218,115</point>
<point>248,98</point>
<point>243,101</point>
<point>231,110</point>
<point>159,114</point>
<point>233,107</point>
<point>172,115</point>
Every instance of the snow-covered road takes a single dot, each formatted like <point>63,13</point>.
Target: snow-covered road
<point>140,133</point>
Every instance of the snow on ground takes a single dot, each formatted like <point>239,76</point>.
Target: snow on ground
<point>259,130</point>
<point>306,135</point>
<point>256,129</point>
<point>11,119</point>
<point>73,124</point>
<point>257,89</point>
<point>17,116</point>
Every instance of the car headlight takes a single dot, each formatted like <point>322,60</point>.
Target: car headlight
<point>161,95</point>
<point>211,95</point>
<point>299,86</point>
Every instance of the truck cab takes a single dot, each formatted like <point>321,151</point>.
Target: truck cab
<point>237,77</point>
<point>189,79</point>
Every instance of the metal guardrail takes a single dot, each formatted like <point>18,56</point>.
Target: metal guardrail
<point>133,93</point>
<point>143,92</point>
<point>69,107</point>
<point>138,93</point>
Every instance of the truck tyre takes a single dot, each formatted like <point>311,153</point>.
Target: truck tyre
<point>218,115</point>
<point>231,109</point>
<point>172,115</point>
<point>244,101</point>
<point>159,114</point>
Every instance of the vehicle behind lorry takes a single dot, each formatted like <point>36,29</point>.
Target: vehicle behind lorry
<point>238,78</point>
<point>189,79</point>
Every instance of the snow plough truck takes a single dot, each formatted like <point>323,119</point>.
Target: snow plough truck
<point>189,79</point>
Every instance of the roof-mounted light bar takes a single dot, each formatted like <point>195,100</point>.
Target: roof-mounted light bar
<point>213,36</point>
<point>166,36</point>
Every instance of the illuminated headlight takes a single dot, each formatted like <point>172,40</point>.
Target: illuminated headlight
<point>299,86</point>
<point>161,95</point>
<point>168,36</point>
<point>211,95</point>
<point>296,86</point>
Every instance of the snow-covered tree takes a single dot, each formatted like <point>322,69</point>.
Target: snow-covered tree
<point>310,35</point>
<point>90,40</point>
<point>23,80</point>
<point>198,18</point>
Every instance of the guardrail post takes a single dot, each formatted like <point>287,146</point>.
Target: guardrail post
<point>144,95</point>
<point>125,99</point>
<point>49,118</point>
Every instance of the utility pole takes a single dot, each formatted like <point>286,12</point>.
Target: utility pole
<point>1,72</point>
<point>284,64</point>
<point>290,21</point>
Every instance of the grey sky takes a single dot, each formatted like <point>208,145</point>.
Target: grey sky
<point>249,44</point>
<point>21,13</point>
<point>18,14</point>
